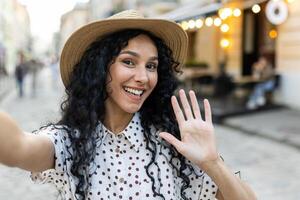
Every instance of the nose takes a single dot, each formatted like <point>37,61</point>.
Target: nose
<point>141,75</point>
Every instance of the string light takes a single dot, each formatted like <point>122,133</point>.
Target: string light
<point>224,13</point>
<point>199,23</point>
<point>237,12</point>
<point>224,43</point>
<point>224,28</point>
<point>217,21</point>
<point>192,24</point>
<point>185,25</point>
<point>209,21</point>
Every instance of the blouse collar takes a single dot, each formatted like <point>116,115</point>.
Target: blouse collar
<point>133,132</point>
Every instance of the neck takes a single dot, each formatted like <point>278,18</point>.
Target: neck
<point>116,122</point>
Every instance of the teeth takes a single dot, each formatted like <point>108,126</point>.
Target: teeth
<point>134,91</point>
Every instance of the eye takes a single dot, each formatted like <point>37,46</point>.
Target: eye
<point>151,66</point>
<point>128,62</point>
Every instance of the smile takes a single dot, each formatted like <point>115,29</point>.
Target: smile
<point>134,91</point>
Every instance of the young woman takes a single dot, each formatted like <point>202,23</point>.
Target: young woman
<point>123,135</point>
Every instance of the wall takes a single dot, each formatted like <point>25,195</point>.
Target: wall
<point>234,35</point>
<point>206,46</point>
<point>71,21</point>
<point>14,19</point>
<point>288,57</point>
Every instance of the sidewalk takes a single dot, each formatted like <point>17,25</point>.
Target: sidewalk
<point>281,125</point>
<point>6,85</point>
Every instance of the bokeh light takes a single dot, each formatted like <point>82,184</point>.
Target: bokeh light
<point>256,8</point>
<point>224,28</point>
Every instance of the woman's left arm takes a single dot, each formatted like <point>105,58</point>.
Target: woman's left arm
<point>230,186</point>
<point>198,145</point>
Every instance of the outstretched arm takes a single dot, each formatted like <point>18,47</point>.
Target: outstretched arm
<point>24,150</point>
<point>198,145</point>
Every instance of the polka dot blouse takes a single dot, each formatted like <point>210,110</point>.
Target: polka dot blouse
<point>119,169</point>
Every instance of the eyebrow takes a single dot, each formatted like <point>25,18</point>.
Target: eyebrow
<point>137,55</point>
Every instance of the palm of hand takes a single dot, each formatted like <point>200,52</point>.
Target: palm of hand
<point>197,136</point>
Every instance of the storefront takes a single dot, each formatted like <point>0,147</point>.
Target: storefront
<point>239,32</point>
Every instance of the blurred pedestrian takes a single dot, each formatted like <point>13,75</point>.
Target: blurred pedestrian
<point>34,67</point>
<point>20,73</point>
<point>54,71</point>
<point>263,72</point>
<point>3,71</point>
<point>123,134</point>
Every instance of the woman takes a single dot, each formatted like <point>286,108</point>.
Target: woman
<point>118,137</point>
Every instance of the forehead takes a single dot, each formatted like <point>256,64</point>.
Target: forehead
<point>142,44</point>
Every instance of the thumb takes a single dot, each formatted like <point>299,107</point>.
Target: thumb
<point>172,140</point>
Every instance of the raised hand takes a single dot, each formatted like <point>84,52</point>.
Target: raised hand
<point>197,135</point>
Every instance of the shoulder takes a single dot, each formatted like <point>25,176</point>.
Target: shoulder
<point>57,133</point>
<point>52,129</point>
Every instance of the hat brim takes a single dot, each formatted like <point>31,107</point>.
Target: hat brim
<point>171,33</point>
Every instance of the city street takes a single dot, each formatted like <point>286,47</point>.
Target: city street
<point>269,167</point>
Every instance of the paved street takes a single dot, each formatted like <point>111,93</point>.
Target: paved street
<point>270,167</point>
<point>31,113</point>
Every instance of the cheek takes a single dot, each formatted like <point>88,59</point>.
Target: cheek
<point>154,81</point>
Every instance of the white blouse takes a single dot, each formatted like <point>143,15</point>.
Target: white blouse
<point>119,168</point>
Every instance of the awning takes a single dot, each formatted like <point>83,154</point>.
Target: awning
<point>197,9</point>
<point>249,3</point>
<point>191,11</point>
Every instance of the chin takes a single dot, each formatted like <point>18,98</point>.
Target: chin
<point>132,109</point>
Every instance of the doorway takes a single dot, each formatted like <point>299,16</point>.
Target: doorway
<point>256,39</point>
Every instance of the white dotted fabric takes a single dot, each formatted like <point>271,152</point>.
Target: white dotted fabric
<point>118,171</point>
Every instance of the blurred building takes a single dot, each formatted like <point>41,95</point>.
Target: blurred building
<point>72,20</point>
<point>288,56</point>
<point>14,19</point>
<point>236,32</point>
<point>99,9</point>
<point>239,32</point>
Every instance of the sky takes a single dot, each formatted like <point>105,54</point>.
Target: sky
<point>45,16</point>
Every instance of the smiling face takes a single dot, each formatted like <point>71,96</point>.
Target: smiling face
<point>133,76</point>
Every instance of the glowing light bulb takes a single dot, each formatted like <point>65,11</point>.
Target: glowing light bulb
<point>185,25</point>
<point>192,24</point>
<point>209,21</point>
<point>217,21</point>
<point>256,8</point>
<point>199,23</point>
<point>273,34</point>
<point>224,28</point>
<point>228,12</point>
<point>224,43</point>
<point>237,12</point>
<point>224,13</point>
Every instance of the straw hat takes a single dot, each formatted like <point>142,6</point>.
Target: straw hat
<point>171,33</point>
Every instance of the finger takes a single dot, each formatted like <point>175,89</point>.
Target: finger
<point>172,140</point>
<point>177,110</point>
<point>185,104</point>
<point>207,111</point>
<point>195,105</point>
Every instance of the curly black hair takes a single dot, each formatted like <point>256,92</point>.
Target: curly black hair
<point>84,105</point>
